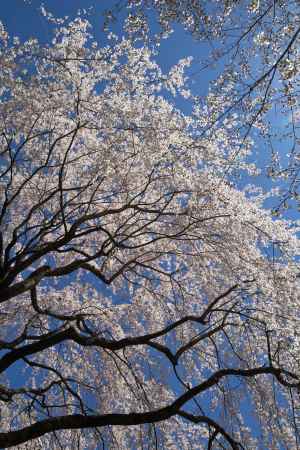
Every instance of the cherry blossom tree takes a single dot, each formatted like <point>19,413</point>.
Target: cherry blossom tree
<point>145,301</point>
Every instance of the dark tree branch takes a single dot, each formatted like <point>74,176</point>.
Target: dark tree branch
<point>76,421</point>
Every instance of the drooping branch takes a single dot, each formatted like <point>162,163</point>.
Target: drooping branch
<point>77,421</point>
<point>93,339</point>
<point>218,429</point>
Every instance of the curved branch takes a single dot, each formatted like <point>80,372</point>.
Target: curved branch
<point>79,421</point>
<point>70,333</point>
<point>212,423</point>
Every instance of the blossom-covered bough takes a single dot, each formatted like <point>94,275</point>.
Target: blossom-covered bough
<point>254,44</point>
<point>145,301</point>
